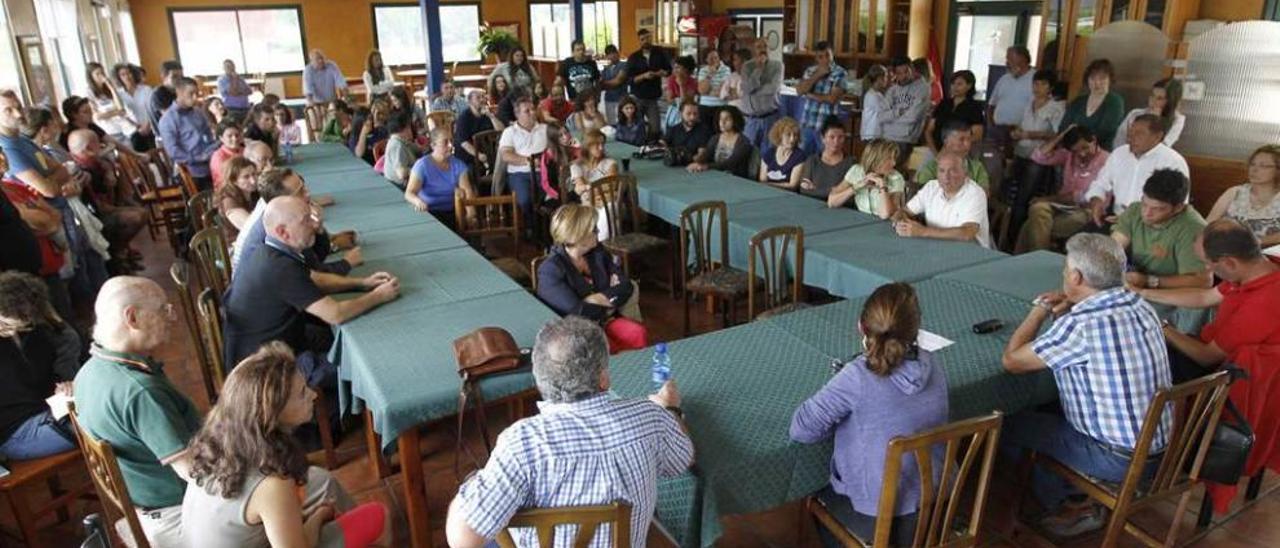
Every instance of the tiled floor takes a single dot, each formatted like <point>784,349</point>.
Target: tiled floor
<point>1251,525</point>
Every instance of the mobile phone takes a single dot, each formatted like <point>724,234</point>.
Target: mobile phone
<point>988,326</point>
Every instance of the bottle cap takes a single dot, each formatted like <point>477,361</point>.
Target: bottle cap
<point>660,347</point>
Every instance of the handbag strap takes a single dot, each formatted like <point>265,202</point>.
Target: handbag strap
<point>470,394</point>
<point>1235,373</point>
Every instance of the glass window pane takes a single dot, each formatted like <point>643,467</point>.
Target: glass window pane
<point>204,39</point>
<point>130,38</point>
<point>1033,38</point>
<point>9,69</point>
<point>564,32</point>
<point>400,35</point>
<point>1085,17</point>
<point>982,40</point>
<point>459,33</point>
<point>541,29</point>
<point>275,39</point>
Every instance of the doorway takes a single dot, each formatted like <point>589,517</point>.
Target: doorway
<point>982,31</point>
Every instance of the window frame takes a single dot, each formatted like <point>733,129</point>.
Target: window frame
<point>600,51</point>
<point>373,21</point>
<point>302,30</point>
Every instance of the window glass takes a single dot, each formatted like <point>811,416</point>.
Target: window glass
<point>257,40</point>
<point>401,38</point>
<point>552,31</point>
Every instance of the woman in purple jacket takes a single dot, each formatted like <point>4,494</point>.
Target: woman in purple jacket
<point>892,389</point>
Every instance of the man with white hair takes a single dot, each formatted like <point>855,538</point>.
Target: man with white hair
<point>275,291</point>
<point>124,398</point>
<point>322,80</point>
<point>1107,353</point>
<point>582,448</point>
<point>953,205</point>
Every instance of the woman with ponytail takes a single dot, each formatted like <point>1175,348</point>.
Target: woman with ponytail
<point>891,389</point>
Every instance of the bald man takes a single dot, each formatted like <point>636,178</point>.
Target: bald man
<point>953,206</point>
<point>121,222</point>
<point>124,399</point>
<point>260,154</point>
<point>274,293</point>
<point>322,80</point>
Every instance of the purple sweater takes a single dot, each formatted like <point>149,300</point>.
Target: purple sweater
<point>865,411</point>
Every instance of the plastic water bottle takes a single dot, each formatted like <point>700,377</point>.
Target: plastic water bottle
<point>288,153</point>
<point>661,366</point>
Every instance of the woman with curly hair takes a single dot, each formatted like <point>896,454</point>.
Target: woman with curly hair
<point>251,484</point>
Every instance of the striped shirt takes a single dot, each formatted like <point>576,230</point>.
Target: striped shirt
<point>1109,358</point>
<point>815,112</point>
<point>593,451</point>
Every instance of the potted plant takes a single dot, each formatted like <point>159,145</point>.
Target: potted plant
<point>497,42</point>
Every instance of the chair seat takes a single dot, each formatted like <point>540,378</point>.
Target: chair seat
<point>784,309</point>
<point>725,282</point>
<point>513,269</point>
<point>634,243</point>
<point>22,472</point>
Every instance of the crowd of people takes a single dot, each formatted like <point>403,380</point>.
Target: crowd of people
<point>1100,183</point>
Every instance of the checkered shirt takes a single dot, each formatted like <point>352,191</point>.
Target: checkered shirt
<point>593,451</point>
<point>1109,358</point>
<point>816,112</point>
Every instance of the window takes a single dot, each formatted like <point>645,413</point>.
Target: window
<point>267,40</point>
<point>551,28</point>
<point>129,37</point>
<point>398,33</point>
<point>60,29</point>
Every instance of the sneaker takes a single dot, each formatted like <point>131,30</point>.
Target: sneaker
<point>1067,527</point>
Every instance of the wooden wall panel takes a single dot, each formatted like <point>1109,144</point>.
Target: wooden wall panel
<point>1211,176</point>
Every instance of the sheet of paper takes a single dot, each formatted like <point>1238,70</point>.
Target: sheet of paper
<point>932,342</point>
<point>1273,251</point>
<point>58,405</point>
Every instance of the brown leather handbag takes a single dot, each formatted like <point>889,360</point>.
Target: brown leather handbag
<point>481,353</point>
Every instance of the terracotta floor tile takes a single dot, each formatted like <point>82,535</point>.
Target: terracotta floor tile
<point>1258,522</point>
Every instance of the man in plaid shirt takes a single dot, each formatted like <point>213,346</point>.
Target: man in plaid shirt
<point>583,448</point>
<point>822,87</point>
<point>1107,353</point>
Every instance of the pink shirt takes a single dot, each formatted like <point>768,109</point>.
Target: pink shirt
<point>219,157</point>
<point>1076,177</point>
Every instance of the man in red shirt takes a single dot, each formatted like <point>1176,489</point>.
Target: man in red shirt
<point>121,222</point>
<point>1247,300</point>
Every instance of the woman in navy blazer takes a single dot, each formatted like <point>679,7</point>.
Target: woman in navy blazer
<point>580,278</point>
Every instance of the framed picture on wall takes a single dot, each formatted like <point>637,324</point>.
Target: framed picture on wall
<point>38,82</point>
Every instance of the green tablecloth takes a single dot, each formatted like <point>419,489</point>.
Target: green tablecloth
<point>376,217</point>
<point>742,385</point>
<point>1022,277</point>
<point>364,197</point>
<point>436,278</point>
<point>359,179</point>
<point>408,240</point>
<point>852,263</point>
<point>747,219</point>
<point>401,365</point>
<point>325,159</point>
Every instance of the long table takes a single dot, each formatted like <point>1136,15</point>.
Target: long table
<point>396,362</point>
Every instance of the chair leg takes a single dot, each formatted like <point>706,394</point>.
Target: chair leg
<point>1171,538</point>
<point>55,491</point>
<point>1206,513</point>
<point>326,431</point>
<point>686,314</point>
<point>1255,485</point>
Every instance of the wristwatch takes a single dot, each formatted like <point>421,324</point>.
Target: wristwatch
<point>678,412</point>
<point>1153,282</point>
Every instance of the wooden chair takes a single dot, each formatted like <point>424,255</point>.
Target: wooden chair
<point>180,271</point>
<point>109,482</point>
<point>767,261</point>
<point>313,116</point>
<point>702,274</point>
<point>210,257</point>
<point>534,265</point>
<point>543,209</point>
<point>588,519</point>
<point>968,443</point>
<point>165,206</point>
<point>486,142</point>
<point>1196,407</point>
<point>28,508</point>
<point>186,181</point>
<point>198,206</point>
<point>440,118</point>
<point>616,195</point>
<point>210,318</point>
<point>96,536</point>
<point>494,216</point>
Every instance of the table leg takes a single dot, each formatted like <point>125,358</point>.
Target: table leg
<point>415,489</point>
<point>373,443</point>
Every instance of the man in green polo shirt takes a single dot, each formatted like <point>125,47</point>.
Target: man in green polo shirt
<point>1160,236</point>
<point>957,138</point>
<point>124,399</point>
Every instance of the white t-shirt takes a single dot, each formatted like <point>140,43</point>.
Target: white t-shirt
<point>524,142</point>
<point>1124,174</point>
<point>969,205</point>
<point>258,209</point>
<point>1170,137</point>
<point>873,103</point>
<point>1046,119</point>
<point>1010,98</point>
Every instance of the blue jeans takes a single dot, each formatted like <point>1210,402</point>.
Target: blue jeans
<point>757,130</point>
<point>37,437</point>
<point>521,184</point>
<point>1051,434</point>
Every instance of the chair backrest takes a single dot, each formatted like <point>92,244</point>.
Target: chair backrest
<point>137,175</point>
<point>379,149</point>
<point>698,224</point>
<point>768,251</point>
<point>180,271</point>
<point>200,204</point>
<point>968,443</point>
<point>313,116</point>
<point>209,312</point>
<point>534,265</point>
<point>1196,406</point>
<point>440,118</point>
<point>113,494</point>
<point>607,193</point>
<point>588,519</point>
<point>209,254</point>
<point>486,142</point>
<point>492,215</point>
<point>188,182</point>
